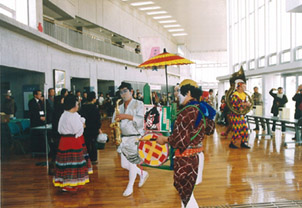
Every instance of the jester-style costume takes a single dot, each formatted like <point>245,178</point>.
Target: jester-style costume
<point>238,122</point>
<point>190,123</point>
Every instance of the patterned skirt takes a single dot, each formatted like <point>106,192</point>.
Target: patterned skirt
<point>72,163</point>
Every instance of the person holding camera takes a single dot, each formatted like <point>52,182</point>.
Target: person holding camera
<point>280,100</point>
<point>298,99</point>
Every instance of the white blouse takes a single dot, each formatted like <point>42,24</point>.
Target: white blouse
<point>71,123</point>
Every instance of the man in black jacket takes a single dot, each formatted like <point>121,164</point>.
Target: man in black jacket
<point>279,101</point>
<point>37,118</point>
<point>36,110</point>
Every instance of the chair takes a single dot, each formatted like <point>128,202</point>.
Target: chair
<point>25,124</point>
<point>16,136</point>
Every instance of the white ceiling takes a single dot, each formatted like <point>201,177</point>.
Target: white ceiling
<point>204,21</point>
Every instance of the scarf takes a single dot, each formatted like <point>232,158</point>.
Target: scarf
<point>207,110</point>
<point>280,95</point>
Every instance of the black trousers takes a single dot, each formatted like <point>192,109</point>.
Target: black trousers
<point>91,147</point>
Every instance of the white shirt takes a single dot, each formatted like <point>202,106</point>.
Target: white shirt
<point>71,123</point>
<point>101,100</point>
<point>136,126</point>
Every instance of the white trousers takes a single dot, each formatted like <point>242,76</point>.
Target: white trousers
<point>132,168</point>
<point>192,202</point>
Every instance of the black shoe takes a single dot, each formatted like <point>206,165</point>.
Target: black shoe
<point>245,145</point>
<point>256,129</point>
<point>294,138</point>
<point>233,146</point>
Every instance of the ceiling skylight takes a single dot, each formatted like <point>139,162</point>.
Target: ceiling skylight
<point>142,3</point>
<point>168,26</point>
<point>149,8</point>
<point>179,34</point>
<point>176,30</point>
<point>156,12</point>
<point>166,21</point>
<point>162,17</point>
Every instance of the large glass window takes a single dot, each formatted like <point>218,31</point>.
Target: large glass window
<point>17,9</point>
<point>290,91</point>
<point>251,36</point>
<point>235,44</point>
<point>243,41</point>
<point>285,27</point>
<point>298,29</point>
<point>235,10</point>
<point>261,30</point>
<point>251,5</point>
<point>272,26</point>
<point>242,8</point>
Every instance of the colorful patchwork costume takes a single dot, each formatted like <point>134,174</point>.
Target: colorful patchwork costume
<point>186,161</point>
<point>238,122</point>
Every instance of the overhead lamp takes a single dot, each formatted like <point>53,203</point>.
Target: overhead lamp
<point>156,12</point>
<point>162,17</point>
<point>142,3</point>
<point>176,30</point>
<point>166,21</point>
<point>179,34</point>
<point>168,26</point>
<point>149,8</point>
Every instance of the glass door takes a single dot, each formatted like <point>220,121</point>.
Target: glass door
<point>290,91</point>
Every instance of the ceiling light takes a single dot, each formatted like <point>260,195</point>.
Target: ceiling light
<point>162,17</point>
<point>142,3</point>
<point>176,30</point>
<point>168,26</point>
<point>156,12</point>
<point>179,34</point>
<point>167,21</point>
<point>149,8</point>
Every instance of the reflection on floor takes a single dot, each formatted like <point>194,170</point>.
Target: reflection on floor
<point>267,172</point>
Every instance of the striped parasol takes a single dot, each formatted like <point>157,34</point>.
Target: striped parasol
<point>165,59</point>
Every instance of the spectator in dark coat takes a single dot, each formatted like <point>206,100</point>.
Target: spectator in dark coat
<point>298,98</point>
<point>37,118</point>
<point>93,125</point>
<point>279,101</point>
<point>36,110</point>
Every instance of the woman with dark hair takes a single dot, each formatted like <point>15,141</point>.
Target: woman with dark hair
<point>193,122</point>
<point>93,125</point>
<point>72,161</point>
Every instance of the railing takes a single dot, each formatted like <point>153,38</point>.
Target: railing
<point>87,42</point>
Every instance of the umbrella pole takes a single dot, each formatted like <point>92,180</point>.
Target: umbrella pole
<point>167,84</point>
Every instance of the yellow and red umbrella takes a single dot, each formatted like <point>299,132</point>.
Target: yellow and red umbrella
<point>165,59</point>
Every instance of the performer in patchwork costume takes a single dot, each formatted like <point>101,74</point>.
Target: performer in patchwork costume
<point>72,160</point>
<point>132,123</point>
<point>238,122</point>
<point>194,121</point>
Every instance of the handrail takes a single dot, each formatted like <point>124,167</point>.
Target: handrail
<point>85,41</point>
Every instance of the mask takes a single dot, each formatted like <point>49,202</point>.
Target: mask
<point>181,98</point>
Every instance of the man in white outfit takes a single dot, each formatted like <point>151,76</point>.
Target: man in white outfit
<point>132,123</point>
